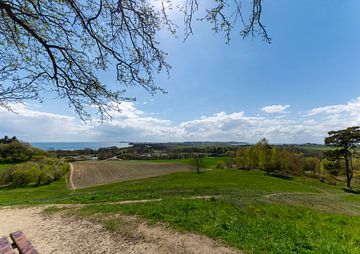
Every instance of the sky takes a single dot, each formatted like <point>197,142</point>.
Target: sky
<point>295,90</point>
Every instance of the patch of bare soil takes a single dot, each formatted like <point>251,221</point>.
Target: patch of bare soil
<point>92,173</point>
<point>57,233</point>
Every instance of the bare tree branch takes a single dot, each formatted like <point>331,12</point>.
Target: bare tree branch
<point>63,45</point>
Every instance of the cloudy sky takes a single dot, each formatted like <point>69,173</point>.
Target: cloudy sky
<point>304,84</point>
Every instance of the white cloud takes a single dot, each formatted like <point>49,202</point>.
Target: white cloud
<point>352,107</point>
<point>36,125</point>
<point>130,123</point>
<point>275,109</point>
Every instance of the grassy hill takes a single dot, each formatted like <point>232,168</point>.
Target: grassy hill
<point>249,210</point>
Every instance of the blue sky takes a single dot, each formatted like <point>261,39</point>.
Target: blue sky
<point>294,90</point>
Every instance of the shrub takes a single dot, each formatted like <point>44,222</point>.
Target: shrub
<point>6,176</point>
<point>15,152</point>
<point>34,173</point>
<point>22,176</point>
<point>220,165</point>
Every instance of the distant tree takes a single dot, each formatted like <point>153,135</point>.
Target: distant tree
<point>312,164</point>
<point>346,142</point>
<point>284,161</point>
<point>7,140</point>
<point>296,163</point>
<point>107,153</point>
<point>355,164</point>
<point>63,45</point>
<point>333,167</point>
<point>242,158</point>
<point>198,162</point>
<point>12,151</point>
<point>15,152</point>
<point>264,155</point>
<point>253,157</point>
<point>277,157</point>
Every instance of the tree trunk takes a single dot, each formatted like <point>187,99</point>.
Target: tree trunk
<point>348,169</point>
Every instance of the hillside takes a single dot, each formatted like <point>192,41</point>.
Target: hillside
<point>248,210</point>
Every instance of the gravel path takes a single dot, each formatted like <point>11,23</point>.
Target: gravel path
<point>71,183</point>
<point>57,233</point>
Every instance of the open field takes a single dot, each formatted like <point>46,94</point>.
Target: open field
<point>209,162</point>
<point>90,173</point>
<point>250,211</point>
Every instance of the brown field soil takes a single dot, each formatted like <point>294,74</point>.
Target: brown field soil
<point>91,173</point>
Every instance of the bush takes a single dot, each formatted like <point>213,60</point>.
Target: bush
<point>22,177</point>
<point>15,152</point>
<point>6,176</point>
<point>34,173</point>
<point>220,165</point>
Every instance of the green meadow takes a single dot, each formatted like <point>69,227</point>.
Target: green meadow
<point>248,210</point>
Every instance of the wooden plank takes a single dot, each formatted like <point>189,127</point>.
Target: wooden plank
<point>22,243</point>
<point>5,246</point>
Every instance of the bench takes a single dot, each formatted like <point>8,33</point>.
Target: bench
<point>22,243</point>
<point>19,241</point>
<point>5,246</point>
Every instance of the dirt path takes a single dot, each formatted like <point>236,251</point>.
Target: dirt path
<point>71,183</point>
<point>57,233</point>
<point>269,196</point>
<point>122,202</point>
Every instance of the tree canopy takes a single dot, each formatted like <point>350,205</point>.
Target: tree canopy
<point>346,141</point>
<point>62,46</point>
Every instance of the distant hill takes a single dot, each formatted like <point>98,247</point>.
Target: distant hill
<point>191,143</point>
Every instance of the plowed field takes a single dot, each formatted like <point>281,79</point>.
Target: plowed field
<point>90,173</point>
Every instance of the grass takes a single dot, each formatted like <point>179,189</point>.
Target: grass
<point>247,185</point>
<point>255,228</point>
<point>209,163</point>
<point>34,195</point>
<point>251,211</point>
<point>219,182</point>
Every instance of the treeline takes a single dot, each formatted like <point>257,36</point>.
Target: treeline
<point>35,173</point>
<point>288,161</point>
<point>164,151</point>
<point>13,151</point>
<point>152,151</point>
<point>156,152</point>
